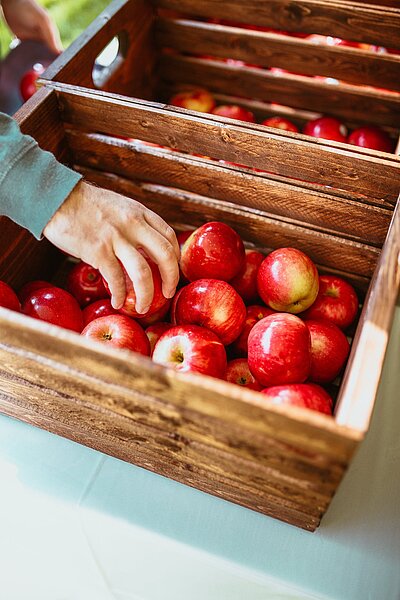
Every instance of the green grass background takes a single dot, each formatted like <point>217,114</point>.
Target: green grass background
<point>71,16</point>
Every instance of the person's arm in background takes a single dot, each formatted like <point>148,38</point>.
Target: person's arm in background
<point>101,227</point>
<point>29,21</point>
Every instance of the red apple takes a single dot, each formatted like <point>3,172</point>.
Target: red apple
<point>56,306</point>
<point>287,280</point>
<point>336,302</point>
<point>245,282</point>
<point>99,308</point>
<point>371,137</point>
<point>154,332</point>
<point>279,350</point>
<point>86,284</point>
<point>159,315</point>
<point>190,348</point>
<point>182,236</point>
<point>159,300</point>
<point>118,331</point>
<point>30,287</point>
<point>232,111</point>
<point>238,372</point>
<point>211,303</point>
<point>329,350</point>
<point>306,395</point>
<point>327,128</point>
<point>215,251</point>
<point>27,84</point>
<point>255,313</point>
<point>281,123</point>
<point>8,298</point>
<point>198,99</point>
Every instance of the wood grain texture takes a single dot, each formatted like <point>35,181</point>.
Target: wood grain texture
<point>178,206</point>
<point>364,367</point>
<point>319,210</point>
<point>361,23</point>
<point>271,50</point>
<point>343,100</point>
<point>130,19</point>
<point>40,118</point>
<point>205,435</point>
<point>289,155</point>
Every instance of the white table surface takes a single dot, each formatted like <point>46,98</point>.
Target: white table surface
<point>78,525</point>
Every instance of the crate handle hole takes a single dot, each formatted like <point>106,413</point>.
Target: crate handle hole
<point>109,59</point>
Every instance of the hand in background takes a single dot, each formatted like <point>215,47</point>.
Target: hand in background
<point>103,228</point>
<point>29,21</point>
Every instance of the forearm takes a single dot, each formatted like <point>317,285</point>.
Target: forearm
<point>33,184</point>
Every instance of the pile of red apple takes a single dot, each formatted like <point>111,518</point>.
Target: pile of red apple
<point>269,323</point>
<point>325,127</point>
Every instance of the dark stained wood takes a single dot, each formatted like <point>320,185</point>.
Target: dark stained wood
<point>132,20</point>
<point>344,100</point>
<point>358,22</point>
<point>286,154</point>
<point>179,207</point>
<point>153,425</point>
<point>364,367</point>
<point>40,118</point>
<point>321,211</point>
<point>271,50</point>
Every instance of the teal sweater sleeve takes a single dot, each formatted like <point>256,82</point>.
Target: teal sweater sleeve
<point>33,184</point>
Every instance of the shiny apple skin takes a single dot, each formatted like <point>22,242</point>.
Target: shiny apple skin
<point>214,304</point>
<point>56,306</point>
<point>287,280</point>
<point>159,315</point>
<point>281,123</point>
<point>213,251</point>
<point>199,100</point>
<point>371,137</point>
<point>86,284</point>
<point>238,372</point>
<point>191,348</point>
<point>327,128</point>
<point>99,308</point>
<point>329,351</point>
<point>305,395</point>
<point>31,286</point>
<point>154,332</point>
<point>27,84</point>
<point>336,302</point>
<point>245,283</point>
<point>232,111</point>
<point>279,350</point>
<point>118,331</point>
<point>254,313</point>
<point>8,298</point>
<point>158,301</point>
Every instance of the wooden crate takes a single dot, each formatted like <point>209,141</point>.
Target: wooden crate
<point>162,52</point>
<point>334,201</point>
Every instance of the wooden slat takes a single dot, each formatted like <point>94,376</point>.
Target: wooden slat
<point>286,154</point>
<point>177,206</point>
<point>361,23</point>
<point>344,100</point>
<point>364,366</point>
<point>263,110</point>
<point>270,50</point>
<point>167,396</point>
<point>316,209</point>
<point>40,118</point>
<point>134,76</point>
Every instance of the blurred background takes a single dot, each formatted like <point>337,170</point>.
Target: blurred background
<point>71,16</point>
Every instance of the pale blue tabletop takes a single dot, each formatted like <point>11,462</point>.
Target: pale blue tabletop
<point>76,524</point>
